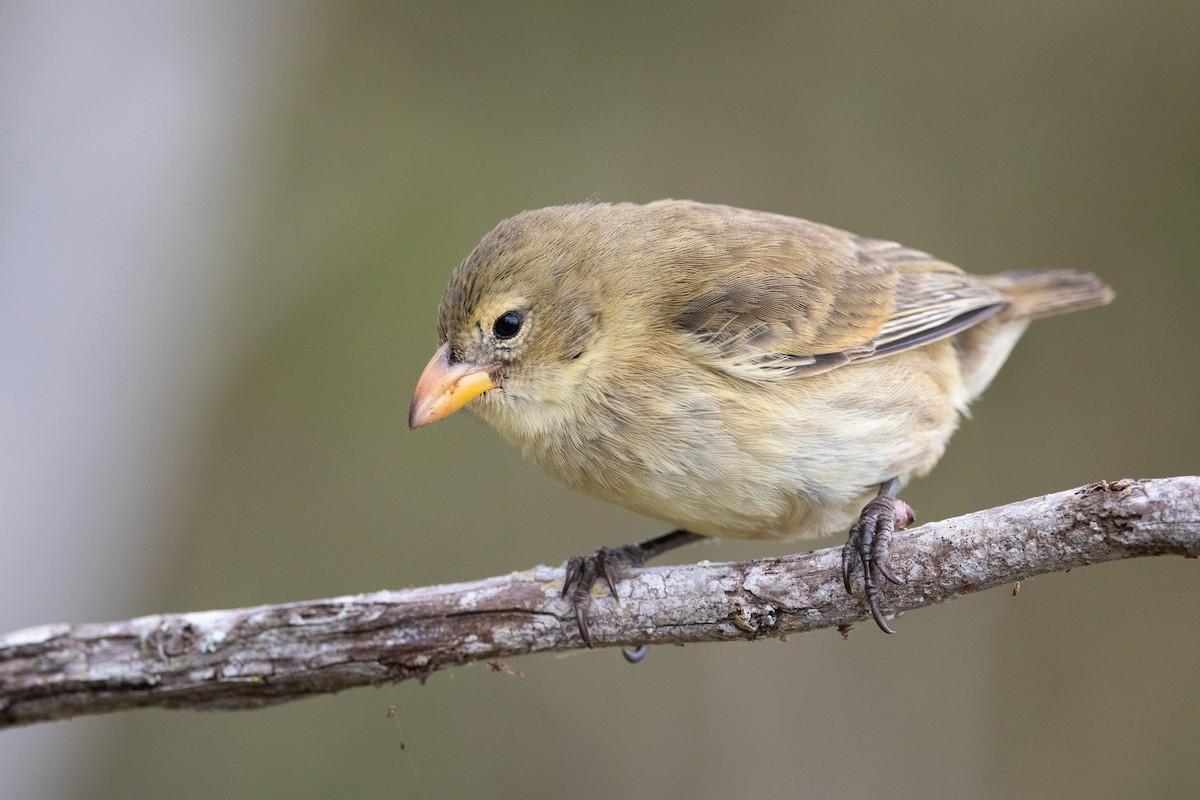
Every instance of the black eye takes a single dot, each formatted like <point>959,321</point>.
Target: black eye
<point>507,325</point>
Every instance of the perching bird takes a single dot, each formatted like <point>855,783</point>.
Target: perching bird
<point>734,373</point>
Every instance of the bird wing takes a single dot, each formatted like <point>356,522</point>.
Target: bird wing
<point>820,298</point>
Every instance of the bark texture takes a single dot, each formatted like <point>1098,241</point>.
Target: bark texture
<point>250,657</point>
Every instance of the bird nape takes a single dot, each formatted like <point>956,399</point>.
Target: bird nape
<point>731,372</point>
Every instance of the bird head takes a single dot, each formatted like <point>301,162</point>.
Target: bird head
<point>516,324</point>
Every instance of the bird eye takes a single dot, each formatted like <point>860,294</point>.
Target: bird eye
<point>507,325</point>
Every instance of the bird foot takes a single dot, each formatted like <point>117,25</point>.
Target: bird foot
<point>611,562</point>
<point>868,544</point>
<point>583,571</point>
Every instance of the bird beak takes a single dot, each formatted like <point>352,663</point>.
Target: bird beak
<point>445,388</point>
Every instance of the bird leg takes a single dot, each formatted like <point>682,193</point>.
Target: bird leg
<point>583,571</point>
<point>868,544</point>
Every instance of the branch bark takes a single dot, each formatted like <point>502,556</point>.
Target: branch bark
<point>251,657</point>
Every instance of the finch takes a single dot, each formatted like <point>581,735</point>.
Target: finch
<point>730,372</point>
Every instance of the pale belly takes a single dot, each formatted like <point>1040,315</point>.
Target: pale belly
<point>784,465</point>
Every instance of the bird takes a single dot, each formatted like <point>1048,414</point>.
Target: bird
<point>733,373</point>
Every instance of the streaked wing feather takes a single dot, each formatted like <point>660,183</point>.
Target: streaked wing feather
<point>773,317</point>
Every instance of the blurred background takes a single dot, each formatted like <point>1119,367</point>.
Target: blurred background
<point>224,232</point>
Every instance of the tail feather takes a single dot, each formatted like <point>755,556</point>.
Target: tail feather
<point>1045,294</point>
<point>983,348</point>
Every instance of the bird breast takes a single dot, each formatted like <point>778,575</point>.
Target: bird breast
<point>717,456</point>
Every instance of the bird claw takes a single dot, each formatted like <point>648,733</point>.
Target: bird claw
<point>582,572</point>
<point>868,546</point>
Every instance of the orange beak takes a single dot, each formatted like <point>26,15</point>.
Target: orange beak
<point>445,388</point>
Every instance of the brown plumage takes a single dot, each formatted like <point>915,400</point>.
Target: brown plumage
<point>732,372</point>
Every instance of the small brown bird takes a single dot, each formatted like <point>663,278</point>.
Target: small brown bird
<point>732,372</point>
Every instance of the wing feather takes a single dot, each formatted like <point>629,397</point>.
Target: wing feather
<point>801,299</point>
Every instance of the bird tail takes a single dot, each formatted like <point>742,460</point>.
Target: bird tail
<point>984,347</point>
<point>1045,294</point>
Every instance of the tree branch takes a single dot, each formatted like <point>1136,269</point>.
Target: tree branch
<point>251,657</point>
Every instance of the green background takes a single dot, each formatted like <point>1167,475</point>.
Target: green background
<point>381,141</point>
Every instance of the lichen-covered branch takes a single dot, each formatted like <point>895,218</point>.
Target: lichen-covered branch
<point>250,657</point>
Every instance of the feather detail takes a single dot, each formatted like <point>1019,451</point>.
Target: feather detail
<point>754,321</point>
